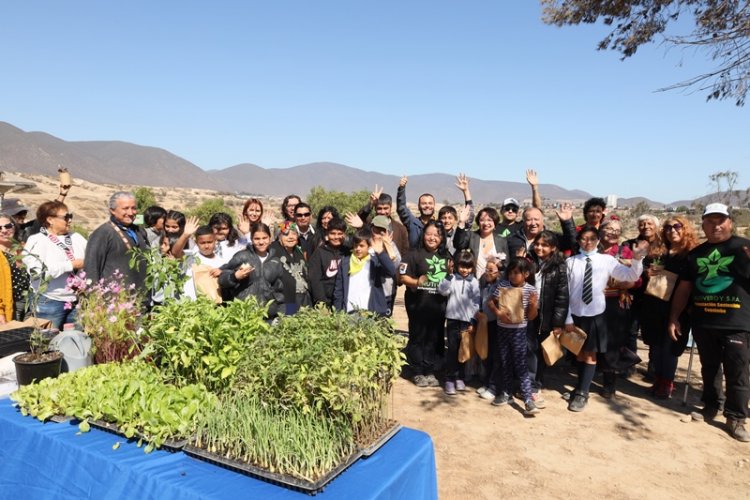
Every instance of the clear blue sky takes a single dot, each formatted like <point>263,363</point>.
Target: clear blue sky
<point>394,86</point>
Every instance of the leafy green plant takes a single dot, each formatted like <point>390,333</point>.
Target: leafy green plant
<point>335,364</point>
<point>345,202</point>
<point>198,341</point>
<point>163,274</point>
<point>132,395</point>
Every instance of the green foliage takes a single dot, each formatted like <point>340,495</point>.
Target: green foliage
<point>131,395</point>
<point>352,202</point>
<point>287,441</point>
<point>682,209</point>
<point>205,210</point>
<point>334,363</point>
<point>198,341</point>
<point>163,274</point>
<point>718,27</point>
<point>144,198</point>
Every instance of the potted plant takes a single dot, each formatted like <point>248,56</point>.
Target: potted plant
<point>40,362</point>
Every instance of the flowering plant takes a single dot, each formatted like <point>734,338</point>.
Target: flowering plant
<point>109,312</point>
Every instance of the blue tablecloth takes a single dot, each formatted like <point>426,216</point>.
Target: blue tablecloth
<point>50,461</point>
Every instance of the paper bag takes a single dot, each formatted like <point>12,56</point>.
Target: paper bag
<point>573,341</point>
<point>661,285</point>
<point>481,341</point>
<point>551,349</point>
<point>512,299</point>
<point>466,348</point>
<point>205,284</point>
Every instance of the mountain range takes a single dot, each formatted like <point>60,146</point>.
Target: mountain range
<point>117,162</point>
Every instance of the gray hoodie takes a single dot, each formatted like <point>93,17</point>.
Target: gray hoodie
<point>463,295</point>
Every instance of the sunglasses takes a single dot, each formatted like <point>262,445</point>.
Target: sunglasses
<point>67,217</point>
<point>306,214</point>
<point>510,208</point>
<point>672,227</point>
<point>7,226</point>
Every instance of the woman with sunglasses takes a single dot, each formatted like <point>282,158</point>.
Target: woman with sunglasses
<point>679,237</point>
<point>52,256</point>
<point>14,279</point>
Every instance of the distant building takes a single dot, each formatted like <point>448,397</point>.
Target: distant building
<point>611,201</point>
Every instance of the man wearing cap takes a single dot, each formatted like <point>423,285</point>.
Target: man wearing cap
<point>716,283</point>
<point>110,245</point>
<point>509,212</point>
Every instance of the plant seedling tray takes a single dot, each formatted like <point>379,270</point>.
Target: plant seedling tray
<point>61,419</point>
<point>16,340</point>
<point>171,445</point>
<point>388,434</point>
<point>285,480</point>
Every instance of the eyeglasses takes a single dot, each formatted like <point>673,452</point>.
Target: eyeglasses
<point>672,227</point>
<point>67,217</point>
<point>306,214</point>
<point>510,208</point>
<point>613,232</point>
<point>7,226</point>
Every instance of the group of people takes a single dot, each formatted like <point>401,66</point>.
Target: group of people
<point>518,279</point>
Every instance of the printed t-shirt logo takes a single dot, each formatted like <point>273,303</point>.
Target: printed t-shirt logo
<point>436,271</point>
<point>710,281</point>
<point>333,268</point>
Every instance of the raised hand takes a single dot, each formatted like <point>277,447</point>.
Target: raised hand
<point>531,178</point>
<point>375,195</point>
<point>243,223</point>
<point>191,226</point>
<point>463,215</point>
<point>377,244</point>
<point>403,181</point>
<point>353,220</point>
<point>565,212</point>
<point>462,182</point>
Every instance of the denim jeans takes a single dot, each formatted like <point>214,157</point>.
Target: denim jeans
<point>55,311</point>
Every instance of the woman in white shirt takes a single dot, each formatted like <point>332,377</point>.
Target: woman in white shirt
<point>51,256</point>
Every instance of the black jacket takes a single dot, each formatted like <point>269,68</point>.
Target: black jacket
<point>322,269</point>
<point>553,299</point>
<point>264,282</point>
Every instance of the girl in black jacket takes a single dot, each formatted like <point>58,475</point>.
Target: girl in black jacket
<point>552,286</point>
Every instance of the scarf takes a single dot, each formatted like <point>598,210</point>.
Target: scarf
<point>128,229</point>
<point>66,246</point>
<point>356,264</point>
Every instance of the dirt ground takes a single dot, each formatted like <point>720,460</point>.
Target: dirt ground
<point>632,446</point>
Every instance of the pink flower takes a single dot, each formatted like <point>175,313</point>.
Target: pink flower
<point>113,319</point>
<point>68,306</point>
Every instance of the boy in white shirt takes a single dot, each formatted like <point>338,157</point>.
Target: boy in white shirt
<point>204,254</point>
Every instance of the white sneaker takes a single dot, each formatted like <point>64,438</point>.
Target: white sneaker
<point>481,390</point>
<point>488,395</point>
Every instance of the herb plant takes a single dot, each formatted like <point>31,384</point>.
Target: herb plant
<point>200,342</point>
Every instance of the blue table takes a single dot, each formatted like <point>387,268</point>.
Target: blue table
<point>50,461</point>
